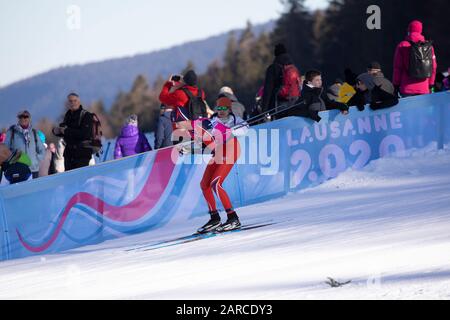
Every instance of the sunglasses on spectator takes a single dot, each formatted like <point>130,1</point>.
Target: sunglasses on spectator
<point>23,117</point>
<point>222,108</point>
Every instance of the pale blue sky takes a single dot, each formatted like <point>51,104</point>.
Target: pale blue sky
<point>34,35</point>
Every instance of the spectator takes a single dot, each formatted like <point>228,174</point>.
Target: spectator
<point>45,163</point>
<point>446,81</point>
<point>76,128</point>
<point>176,94</point>
<point>24,137</point>
<point>131,141</point>
<point>237,108</point>
<point>414,77</point>
<point>3,135</point>
<point>257,109</point>
<point>333,90</point>
<point>350,76</point>
<point>439,82</point>
<point>315,98</point>
<point>163,134</point>
<point>373,89</point>
<point>282,83</point>
<point>52,167</point>
<point>183,96</point>
<point>59,156</point>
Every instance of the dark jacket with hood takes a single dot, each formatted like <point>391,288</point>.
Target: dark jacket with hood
<point>316,100</point>
<point>274,81</point>
<point>380,92</point>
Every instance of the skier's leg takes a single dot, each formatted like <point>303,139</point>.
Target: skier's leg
<point>220,175</point>
<point>205,185</point>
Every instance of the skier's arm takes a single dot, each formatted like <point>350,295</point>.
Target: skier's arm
<point>240,129</point>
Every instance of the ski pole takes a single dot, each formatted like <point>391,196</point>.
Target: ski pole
<point>265,114</point>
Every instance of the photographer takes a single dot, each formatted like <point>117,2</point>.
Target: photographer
<point>76,128</point>
<point>187,101</point>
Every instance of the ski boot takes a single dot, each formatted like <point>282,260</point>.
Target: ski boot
<point>212,224</point>
<point>232,222</point>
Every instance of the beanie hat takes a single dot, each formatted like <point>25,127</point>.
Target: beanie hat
<point>374,65</point>
<point>132,120</point>
<point>226,90</point>
<point>415,26</point>
<point>190,78</point>
<point>24,113</point>
<point>224,102</point>
<point>280,49</point>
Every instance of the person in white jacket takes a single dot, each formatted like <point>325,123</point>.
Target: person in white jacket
<point>24,137</point>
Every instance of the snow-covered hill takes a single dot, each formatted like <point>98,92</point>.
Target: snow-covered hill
<point>386,228</point>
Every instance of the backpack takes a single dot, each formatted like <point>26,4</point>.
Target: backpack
<point>290,87</point>
<point>95,143</point>
<point>11,141</point>
<point>421,60</point>
<point>16,170</point>
<point>196,105</point>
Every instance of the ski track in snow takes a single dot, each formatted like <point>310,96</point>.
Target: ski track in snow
<point>386,228</point>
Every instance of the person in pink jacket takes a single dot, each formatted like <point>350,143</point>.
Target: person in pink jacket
<point>406,85</point>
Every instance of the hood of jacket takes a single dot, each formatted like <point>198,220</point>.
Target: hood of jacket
<point>367,79</point>
<point>415,29</point>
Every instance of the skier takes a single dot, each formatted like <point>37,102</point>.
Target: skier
<point>219,135</point>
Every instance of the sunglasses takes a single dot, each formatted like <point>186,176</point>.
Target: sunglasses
<point>23,117</point>
<point>222,108</point>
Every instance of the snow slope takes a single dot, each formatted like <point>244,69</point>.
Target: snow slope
<point>386,228</point>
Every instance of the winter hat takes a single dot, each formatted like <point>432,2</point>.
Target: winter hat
<point>24,113</point>
<point>190,78</point>
<point>415,26</point>
<point>225,91</point>
<point>224,102</point>
<point>280,49</point>
<point>374,66</point>
<point>132,120</point>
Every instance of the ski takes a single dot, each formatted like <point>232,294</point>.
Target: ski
<point>197,237</point>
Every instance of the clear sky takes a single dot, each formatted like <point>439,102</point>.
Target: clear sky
<point>38,35</point>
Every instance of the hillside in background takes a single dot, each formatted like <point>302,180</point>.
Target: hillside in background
<point>44,94</point>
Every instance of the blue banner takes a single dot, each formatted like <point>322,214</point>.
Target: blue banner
<point>148,191</point>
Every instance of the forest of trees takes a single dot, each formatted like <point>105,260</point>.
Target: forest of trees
<point>329,40</point>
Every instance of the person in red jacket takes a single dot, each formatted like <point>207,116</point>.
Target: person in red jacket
<point>404,84</point>
<point>173,95</point>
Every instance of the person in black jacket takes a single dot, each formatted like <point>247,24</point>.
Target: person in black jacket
<point>75,129</point>
<point>273,82</point>
<point>315,98</point>
<point>374,89</point>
